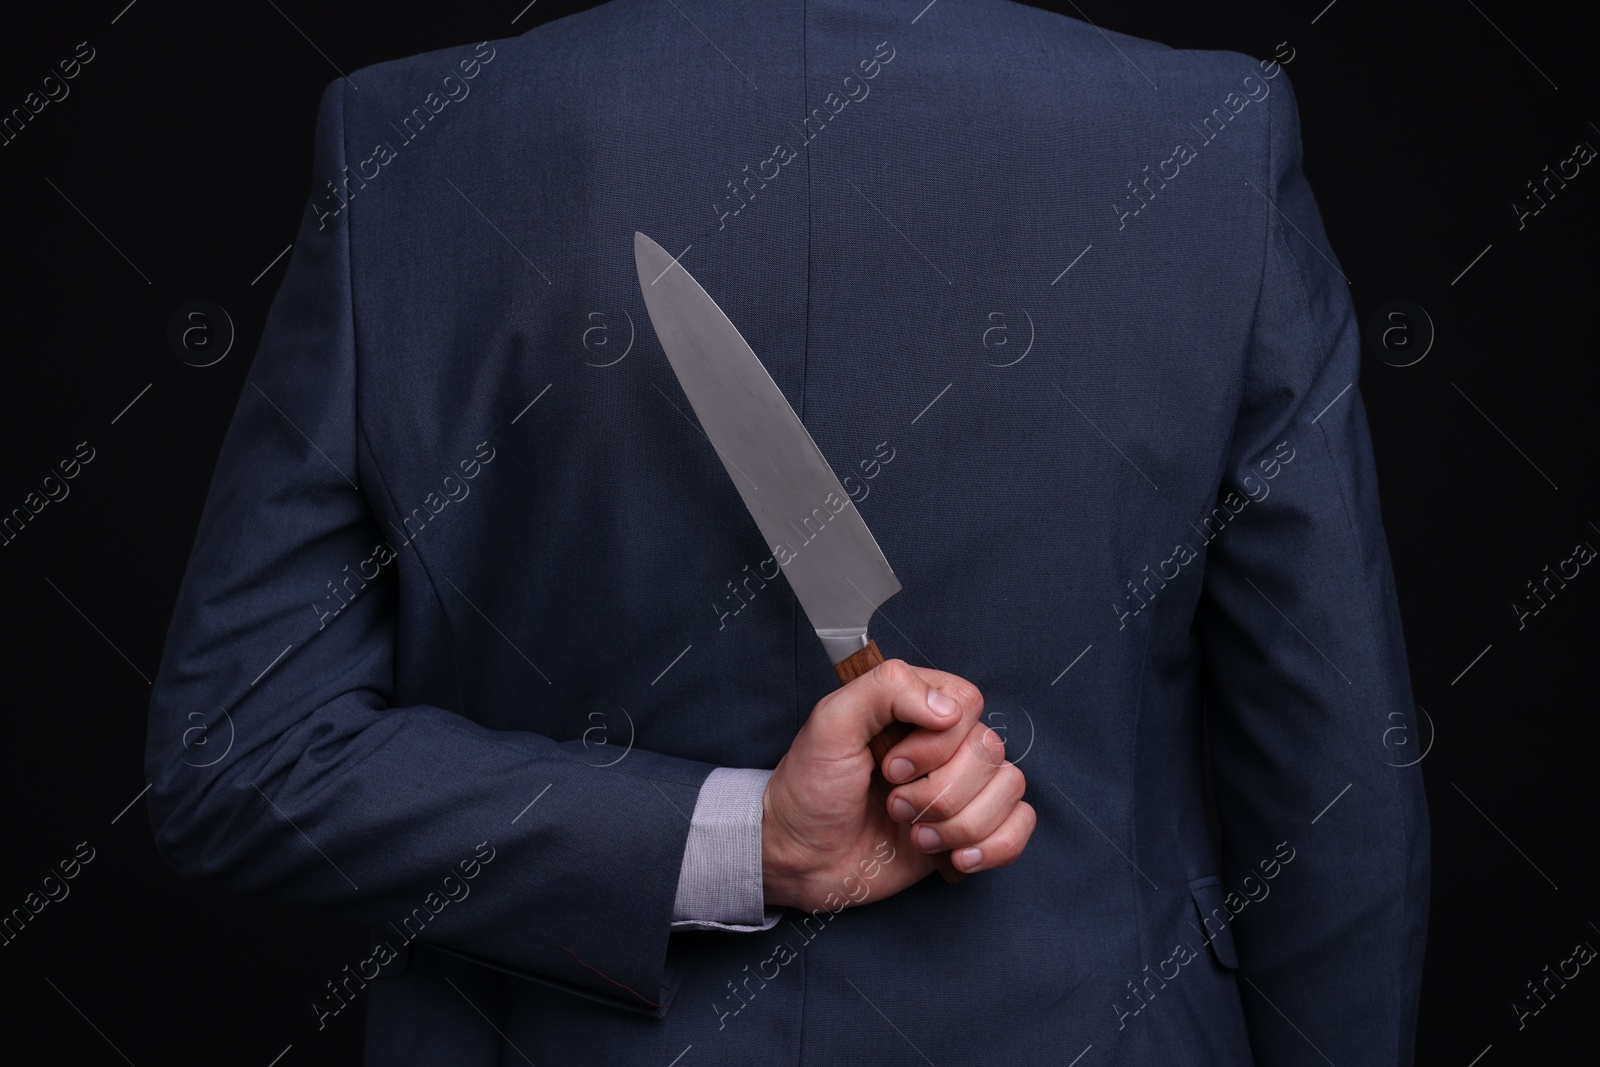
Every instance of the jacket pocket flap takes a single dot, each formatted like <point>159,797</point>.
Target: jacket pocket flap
<point>1216,921</point>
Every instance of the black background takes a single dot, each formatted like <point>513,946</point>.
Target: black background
<point>177,169</point>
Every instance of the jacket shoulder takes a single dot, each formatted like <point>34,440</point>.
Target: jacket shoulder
<point>395,80</point>
<point>1091,51</point>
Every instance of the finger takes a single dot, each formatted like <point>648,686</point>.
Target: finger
<point>846,719</point>
<point>1001,848</point>
<point>927,748</point>
<point>950,787</point>
<point>976,820</point>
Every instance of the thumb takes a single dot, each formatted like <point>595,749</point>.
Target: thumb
<point>847,719</point>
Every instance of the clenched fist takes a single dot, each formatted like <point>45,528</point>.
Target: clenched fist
<point>824,814</point>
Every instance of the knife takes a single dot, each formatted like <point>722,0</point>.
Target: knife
<point>833,564</point>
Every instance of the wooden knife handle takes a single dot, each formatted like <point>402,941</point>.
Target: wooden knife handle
<point>892,735</point>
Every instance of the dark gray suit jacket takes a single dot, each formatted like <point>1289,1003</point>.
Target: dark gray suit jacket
<point>1059,305</point>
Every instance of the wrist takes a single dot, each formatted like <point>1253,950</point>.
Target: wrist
<point>781,875</point>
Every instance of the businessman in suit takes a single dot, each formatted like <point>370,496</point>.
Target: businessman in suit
<point>477,646</point>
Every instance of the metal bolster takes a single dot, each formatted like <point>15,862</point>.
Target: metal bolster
<point>841,644</point>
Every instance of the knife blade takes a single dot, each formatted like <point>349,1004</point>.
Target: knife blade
<point>819,539</point>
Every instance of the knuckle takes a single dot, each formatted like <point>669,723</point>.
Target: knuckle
<point>1024,831</point>
<point>973,833</point>
<point>942,808</point>
<point>1008,843</point>
<point>1005,857</point>
<point>1006,848</point>
<point>829,712</point>
<point>968,696</point>
<point>988,746</point>
<point>994,745</point>
<point>893,673</point>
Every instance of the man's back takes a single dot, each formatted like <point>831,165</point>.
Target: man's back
<point>1056,305</point>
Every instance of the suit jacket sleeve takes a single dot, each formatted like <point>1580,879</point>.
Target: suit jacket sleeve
<point>1306,671</point>
<point>280,763</point>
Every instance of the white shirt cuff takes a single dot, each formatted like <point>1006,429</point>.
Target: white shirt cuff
<point>719,882</point>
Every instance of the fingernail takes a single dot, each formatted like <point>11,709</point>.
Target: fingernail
<point>942,704</point>
<point>970,858</point>
<point>902,810</point>
<point>927,837</point>
<point>901,769</point>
